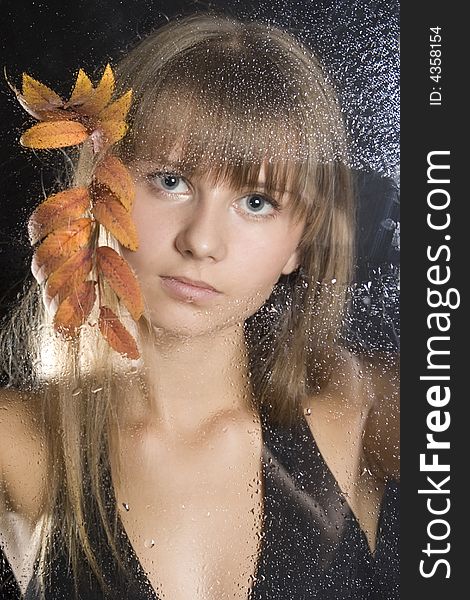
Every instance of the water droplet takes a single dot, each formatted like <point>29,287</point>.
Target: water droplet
<point>77,392</point>
<point>96,390</point>
<point>149,543</point>
<point>308,411</point>
<point>125,506</point>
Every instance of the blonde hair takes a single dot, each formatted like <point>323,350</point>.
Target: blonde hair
<point>225,98</point>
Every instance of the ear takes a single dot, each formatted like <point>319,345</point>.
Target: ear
<point>292,263</point>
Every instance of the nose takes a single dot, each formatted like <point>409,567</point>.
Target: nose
<point>201,236</point>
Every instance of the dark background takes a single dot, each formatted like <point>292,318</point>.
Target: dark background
<point>357,40</point>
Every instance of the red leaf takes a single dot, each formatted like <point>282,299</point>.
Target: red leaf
<point>60,245</point>
<point>114,217</point>
<point>116,334</point>
<point>122,280</point>
<point>75,309</point>
<point>70,275</point>
<point>112,173</point>
<point>57,211</point>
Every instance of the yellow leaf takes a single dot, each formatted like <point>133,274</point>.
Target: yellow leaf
<point>112,173</point>
<point>101,96</point>
<point>54,134</point>
<point>57,211</point>
<point>75,309</point>
<point>113,131</point>
<point>116,334</point>
<point>121,279</point>
<point>117,111</point>
<point>108,211</point>
<point>38,95</point>
<point>82,90</point>
<point>105,88</point>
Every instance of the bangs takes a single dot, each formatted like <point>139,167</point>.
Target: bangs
<point>228,112</point>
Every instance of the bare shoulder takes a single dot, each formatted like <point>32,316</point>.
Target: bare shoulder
<point>22,453</point>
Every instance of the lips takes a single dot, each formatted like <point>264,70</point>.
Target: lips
<point>193,283</point>
<point>188,290</point>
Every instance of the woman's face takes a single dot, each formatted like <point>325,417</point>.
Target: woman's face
<point>209,255</point>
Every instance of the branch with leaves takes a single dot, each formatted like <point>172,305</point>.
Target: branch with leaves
<point>68,259</point>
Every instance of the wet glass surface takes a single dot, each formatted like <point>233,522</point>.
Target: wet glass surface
<point>251,450</point>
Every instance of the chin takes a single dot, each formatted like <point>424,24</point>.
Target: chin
<point>184,320</point>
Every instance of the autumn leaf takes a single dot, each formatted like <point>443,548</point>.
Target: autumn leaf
<point>38,100</point>
<point>110,213</point>
<point>121,279</point>
<point>66,278</point>
<point>116,334</point>
<point>60,245</point>
<point>117,111</point>
<point>113,131</point>
<point>112,173</point>
<point>54,134</point>
<point>75,309</point>
<point>38,95</point>
<point>100,96</point>
<point>57,211</point>
<point>103,91</point>
<point>82,90</point>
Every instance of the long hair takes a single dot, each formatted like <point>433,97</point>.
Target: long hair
<point>225,98</point>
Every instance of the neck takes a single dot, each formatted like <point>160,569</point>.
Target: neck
<point>189,381</point>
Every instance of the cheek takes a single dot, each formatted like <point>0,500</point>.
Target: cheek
<point>261,259</point>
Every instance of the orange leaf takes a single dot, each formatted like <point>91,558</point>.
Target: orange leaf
<point>82,90</point>
<point>121,279</point>
<point>75,309</point>
<point>56,211</point>
<point>114,217</point>
<point>54,134</point>
<point>60,245</point>
<point>117,111</point>
<point>116,334</point>
<point>112,173</point>
<point>66,278</point>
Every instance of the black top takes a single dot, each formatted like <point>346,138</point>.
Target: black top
<point>312,545</point>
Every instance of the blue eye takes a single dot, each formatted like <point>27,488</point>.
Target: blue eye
<point>256,204</point>
<point>169,182</point>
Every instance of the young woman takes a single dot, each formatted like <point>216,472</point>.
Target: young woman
<point>245,454</point>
